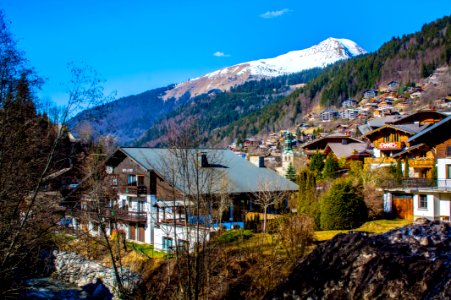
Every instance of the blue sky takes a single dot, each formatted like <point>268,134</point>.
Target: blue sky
<point>139,45</point>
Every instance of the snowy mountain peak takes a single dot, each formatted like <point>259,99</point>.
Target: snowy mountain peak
<point>325,53</point>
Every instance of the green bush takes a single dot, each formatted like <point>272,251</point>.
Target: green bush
<point>234,235</point>
<point>342,207</point>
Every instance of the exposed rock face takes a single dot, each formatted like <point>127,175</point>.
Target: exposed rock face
<point>413,262</point>
<point>71,268</point>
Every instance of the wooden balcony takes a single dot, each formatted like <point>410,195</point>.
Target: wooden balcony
<point>129,215</point>
<point>133,190</point>
<point>379,160</point>
<point>388,145</point>
<point>425,163</point>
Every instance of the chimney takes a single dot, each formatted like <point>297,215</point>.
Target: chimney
<point>261,161</point>
<point>202,159</point>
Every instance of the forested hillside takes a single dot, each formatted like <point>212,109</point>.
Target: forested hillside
<point>217,109</point>
<point>406,59</point>
<point>125,118</point>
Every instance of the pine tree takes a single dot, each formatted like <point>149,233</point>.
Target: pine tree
<point>291,173</point>
<point>317,163</point>
<point>307,197</point>
<point>330,168</point>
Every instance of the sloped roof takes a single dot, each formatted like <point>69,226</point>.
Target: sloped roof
<point>331,136</point>
<point>226,170</point>
<point>407,128</point>
<point>426,134</point>
<point>347,150</point>
<point>381,121</point>
<point>417,115</point>
<point>407,150</point>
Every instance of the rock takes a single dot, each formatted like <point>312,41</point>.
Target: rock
<point>408,263</point>
<point>422,221</point>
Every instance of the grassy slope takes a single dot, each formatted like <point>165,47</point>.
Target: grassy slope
<point>377,226</point>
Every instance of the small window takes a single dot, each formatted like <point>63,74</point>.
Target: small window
<point>167,243</point>
<point>448,150</point>
<point>131,180</point>
<point>140,180</point>
<point>422,202</point>
<point>448,171</point>
<point>114,181</point>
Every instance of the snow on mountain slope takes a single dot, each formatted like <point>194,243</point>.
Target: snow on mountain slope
<point>327,52</point>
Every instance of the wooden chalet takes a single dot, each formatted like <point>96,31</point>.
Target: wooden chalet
<point>155,191</point>
<point>425,197</point>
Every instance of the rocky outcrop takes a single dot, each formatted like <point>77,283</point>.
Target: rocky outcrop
<point>92,276</point>
<point>413,262</point>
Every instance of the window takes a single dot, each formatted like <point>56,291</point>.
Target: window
<point>448,151</point>
<point>167,243</point>
<point>114,181</point>
<point>131,180</point>
<point>140,180</point>
<point>422,202</point>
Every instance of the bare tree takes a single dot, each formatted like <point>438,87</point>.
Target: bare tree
<point>268,195</point>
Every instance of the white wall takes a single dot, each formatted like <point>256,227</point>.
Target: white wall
<point>428,212</point>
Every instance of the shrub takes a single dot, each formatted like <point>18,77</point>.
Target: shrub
<point>234,235</point>
<point>342,207</point>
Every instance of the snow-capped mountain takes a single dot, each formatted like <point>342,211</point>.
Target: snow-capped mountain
<point>327,52</point>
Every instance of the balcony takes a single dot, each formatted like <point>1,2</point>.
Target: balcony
<point>422,163</point>
<point>133,190</point>
<point>129,215</point>
<point>379,160</point>
<point>439,185</point>
<point>388,145</point>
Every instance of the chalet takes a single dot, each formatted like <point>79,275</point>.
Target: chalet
<point>393,86</point>
<point>419,197</point>
<point>328,115</point>
<point>159,195</point>
<point>349,103</point>
<point>320,145</point>
<point>370,94</point>
<point>389,140</point>
<point>349,114</point>
<point>421,117</point>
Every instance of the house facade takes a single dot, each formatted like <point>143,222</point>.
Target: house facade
<point>160,196</point>
<point>426,197</point>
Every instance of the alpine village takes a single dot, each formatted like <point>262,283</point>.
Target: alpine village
<point>326,179</point>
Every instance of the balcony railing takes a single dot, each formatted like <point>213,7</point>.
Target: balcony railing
<point>133,190</point>
<point>379,160</point>
<point>419,183</point>
<point>422,163</point>
<point>128,215</point>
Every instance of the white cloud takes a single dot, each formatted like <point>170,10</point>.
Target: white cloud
<point>275,13</point>
<point>220,54</point>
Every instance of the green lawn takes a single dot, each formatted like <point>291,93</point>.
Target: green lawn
<point>146,249</point>
<point>377,226</point>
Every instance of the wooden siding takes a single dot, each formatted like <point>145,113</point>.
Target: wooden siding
<point>442,149</point>
<point>403,207</point>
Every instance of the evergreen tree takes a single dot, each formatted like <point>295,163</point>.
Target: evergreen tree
<point>342,207</point>
<point>330,167</point>
<point>317,163</point>
<point>406,167</point>
<point>291,173</point>
<point>308,197</point>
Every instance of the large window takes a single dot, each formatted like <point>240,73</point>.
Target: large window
<point>422,202</point>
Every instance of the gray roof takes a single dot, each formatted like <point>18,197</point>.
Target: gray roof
<point>226,171</point>
<point>381,121</point>
<point>347,150</point>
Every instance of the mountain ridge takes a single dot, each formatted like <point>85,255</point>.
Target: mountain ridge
<point>321,55</point>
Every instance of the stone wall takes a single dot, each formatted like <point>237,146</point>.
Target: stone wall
<point>72,268</point>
